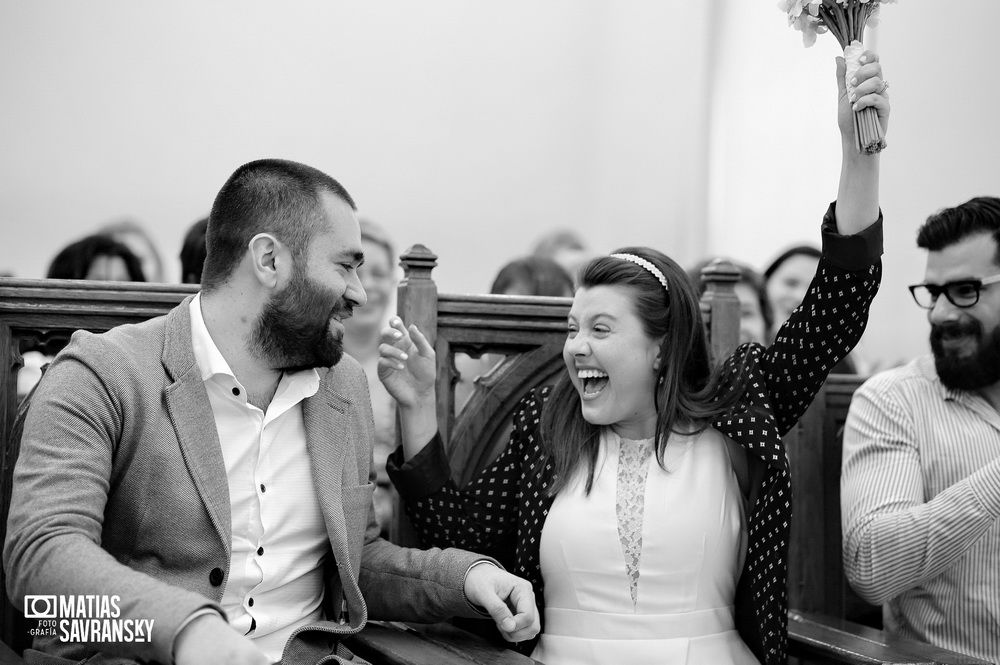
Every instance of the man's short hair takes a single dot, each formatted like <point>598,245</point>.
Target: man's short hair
<point>951,225</point>
<point>265,196</point>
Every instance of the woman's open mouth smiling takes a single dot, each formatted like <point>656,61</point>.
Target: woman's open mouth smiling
<point>593,381</point>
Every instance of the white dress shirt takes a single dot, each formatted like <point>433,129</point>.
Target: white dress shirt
<point>279,539</point>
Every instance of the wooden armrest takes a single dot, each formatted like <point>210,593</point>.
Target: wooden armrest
<point>390,643</point>
<point>823,639</point>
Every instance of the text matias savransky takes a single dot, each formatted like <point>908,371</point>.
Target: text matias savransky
<point>87,618</point>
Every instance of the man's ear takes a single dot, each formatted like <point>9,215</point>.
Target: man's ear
<point>269,259</point>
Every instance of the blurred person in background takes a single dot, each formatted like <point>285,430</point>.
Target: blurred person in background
<point>533,276</point>
<point>97,257</point>
<point>361,340</point>
<point>131,234</point>
<point>566,248</point>
<point>786,281</point>
<point>756,317</point>
<point>193,252</point>
<point>527,276</point>
<point>787,278</point>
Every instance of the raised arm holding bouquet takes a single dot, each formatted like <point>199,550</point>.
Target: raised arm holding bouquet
<point>646,495</point>
<point>845,20</point>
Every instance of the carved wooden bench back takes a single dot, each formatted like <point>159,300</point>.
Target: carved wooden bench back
<point>42,314</point>
<point>816,579</point>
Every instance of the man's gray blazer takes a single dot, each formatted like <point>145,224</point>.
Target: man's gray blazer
<point>121,489</point>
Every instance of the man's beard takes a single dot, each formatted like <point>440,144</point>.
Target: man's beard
<point>293,332</point>
<point>971,371</point>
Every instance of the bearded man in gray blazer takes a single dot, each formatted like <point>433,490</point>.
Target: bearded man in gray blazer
<point>203,480</point>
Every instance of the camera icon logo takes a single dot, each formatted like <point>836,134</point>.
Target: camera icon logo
<point>40,607</point>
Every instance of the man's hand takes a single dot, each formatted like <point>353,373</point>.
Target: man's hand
<point>508,598</point>
<point>209,640</point>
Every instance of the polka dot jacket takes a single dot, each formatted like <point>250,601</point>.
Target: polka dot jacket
<point>501,512</point>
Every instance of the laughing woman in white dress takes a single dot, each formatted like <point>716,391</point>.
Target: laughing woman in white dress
<point>646,495</point>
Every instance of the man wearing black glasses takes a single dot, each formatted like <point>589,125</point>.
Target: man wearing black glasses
<point>920,490</point>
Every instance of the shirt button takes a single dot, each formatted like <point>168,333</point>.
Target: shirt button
<point>250,602</point>
<point>216,576</point>
<point>260,551</point>
<point>236,391</point>
<point>262,488</point>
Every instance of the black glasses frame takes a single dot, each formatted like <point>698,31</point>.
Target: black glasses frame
<point>951,292</point>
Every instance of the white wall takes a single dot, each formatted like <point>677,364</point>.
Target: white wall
<point>469,127</point>
<point>473,127</point>
<point>776,149</point>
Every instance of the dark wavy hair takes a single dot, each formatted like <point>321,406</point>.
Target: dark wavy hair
<point>74,260</point>
<point>688,395</point>
<point>540,276</point>
<point>798,250</point>
<point>193,252</point>
<point>950,225</point>
<point>747,276</point>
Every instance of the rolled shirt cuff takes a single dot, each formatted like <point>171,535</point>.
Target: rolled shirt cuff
<point>208,609</point>
<point>853,253</point>
<point>476,608</point>
<point>424,474</point>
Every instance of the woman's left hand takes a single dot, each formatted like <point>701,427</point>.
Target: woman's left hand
<point>407,364</point>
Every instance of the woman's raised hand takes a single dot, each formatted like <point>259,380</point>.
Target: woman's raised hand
<point>407,366</point>
<point>870,89</point>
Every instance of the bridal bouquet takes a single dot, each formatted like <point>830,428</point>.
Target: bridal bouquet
<point>846,19</point>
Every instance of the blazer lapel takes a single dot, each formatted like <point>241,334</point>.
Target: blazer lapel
<point>325,416</point>
<point>194,423</point>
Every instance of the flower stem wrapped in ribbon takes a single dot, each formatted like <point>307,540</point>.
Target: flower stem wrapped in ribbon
<point>846,20</point>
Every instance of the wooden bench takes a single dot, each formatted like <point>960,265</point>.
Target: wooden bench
<point>816,580</point>
<point>41,314</point>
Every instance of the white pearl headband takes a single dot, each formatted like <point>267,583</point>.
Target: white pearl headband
<point>639,261</point>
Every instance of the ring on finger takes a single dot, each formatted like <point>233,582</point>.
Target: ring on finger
<point>885,86</point>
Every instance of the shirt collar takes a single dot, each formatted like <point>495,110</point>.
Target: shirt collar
<point>211,362</point>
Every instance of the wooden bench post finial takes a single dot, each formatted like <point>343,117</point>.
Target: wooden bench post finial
<point>417,292</point>
<point>720,277</point>
<point>417,262</point>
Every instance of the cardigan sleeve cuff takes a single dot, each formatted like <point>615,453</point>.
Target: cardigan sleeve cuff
<point>853,253</point>
<point>424,474</point>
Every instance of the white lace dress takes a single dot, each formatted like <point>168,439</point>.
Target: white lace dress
<point>644,569</point>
